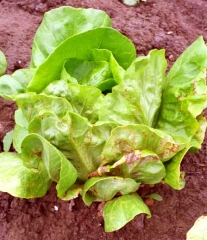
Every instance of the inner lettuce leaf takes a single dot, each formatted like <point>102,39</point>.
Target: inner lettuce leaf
<point>88,73</point>
<point>80,46</point>
<point>3,63</point>
<point>85,100</point>
<point>137,99</point>
<point>67,21</point>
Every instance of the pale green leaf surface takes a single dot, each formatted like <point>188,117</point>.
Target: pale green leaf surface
<point>21,181</point>
<point>36,104</point>
<point>185,93</point>
<point>174,177</point>
<point>85,100</point>
<point>199,229</point>
<point>11,85</point>
<point>3,63</point>
<point>101,38</point>
<point>137,99</point>
<point>7,141</point>
<point>62,23</point>
<point>105,188</point>
<point>121,210</point>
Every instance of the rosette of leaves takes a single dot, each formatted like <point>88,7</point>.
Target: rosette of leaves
<point>99,120</point>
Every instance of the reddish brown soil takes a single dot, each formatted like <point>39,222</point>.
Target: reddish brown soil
<point>169,24</point>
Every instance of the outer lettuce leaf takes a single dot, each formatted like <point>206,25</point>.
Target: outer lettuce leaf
<point>174,177</point>
<point>62,23</point>
<point>105,188</point>
<point>142,166</point>
<point>137,99</point>
<point>85,100</point>
<point>3,63</point>
<point>21,181</point>
<point>185,94</point>
<point>11,85</point>
<point>121,210</point>
<point>29,174</point>
<point>80,46</point>
<point>81,142</point>
<point>125,140</point>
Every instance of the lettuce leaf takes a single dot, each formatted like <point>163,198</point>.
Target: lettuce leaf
<point>67,21</point>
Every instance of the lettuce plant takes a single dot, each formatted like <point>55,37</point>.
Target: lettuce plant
<point>99,120</point>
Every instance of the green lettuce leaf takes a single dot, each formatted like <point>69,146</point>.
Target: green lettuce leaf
<point>137,99</point>
<point>121,210</point>
<point>142,166</point>
<point>81,142</point>
<point>33,105</point>
<point>85,100</point>
<point>12,85</point>
<point>185,93</point>
<point>37,164</point>
<point>21,181</point>
<point>126,139</point>
<point>174,177</point>
<point>3,63</point>
<point>62,23</point>
<point>80,46</point>
<point>105,188</point>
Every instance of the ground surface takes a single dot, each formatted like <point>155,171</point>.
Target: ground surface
<point>169,24</point>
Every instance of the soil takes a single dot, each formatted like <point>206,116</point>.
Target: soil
<point>169,24</point>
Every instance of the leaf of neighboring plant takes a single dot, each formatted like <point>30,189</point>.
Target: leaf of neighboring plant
<point>185,93</point>
<point>121,210</point>
<point>7,141</point>
<point>62,23</point>
<point>130,2</point>
<point>154,196</point>
<point>105,188</point>
<point>3,63</point>
<point>85,100</point>
<point>199,229</point>
<point>137,99</point>
<point>142,166</point>
<point>174,177</point>
<point>11,85</point>
<point>81,46</point>
<point>33,105</point>
<point>36,149</point>
<point>20,181</point>
<point>81,142</point>
<point>125,140</point>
